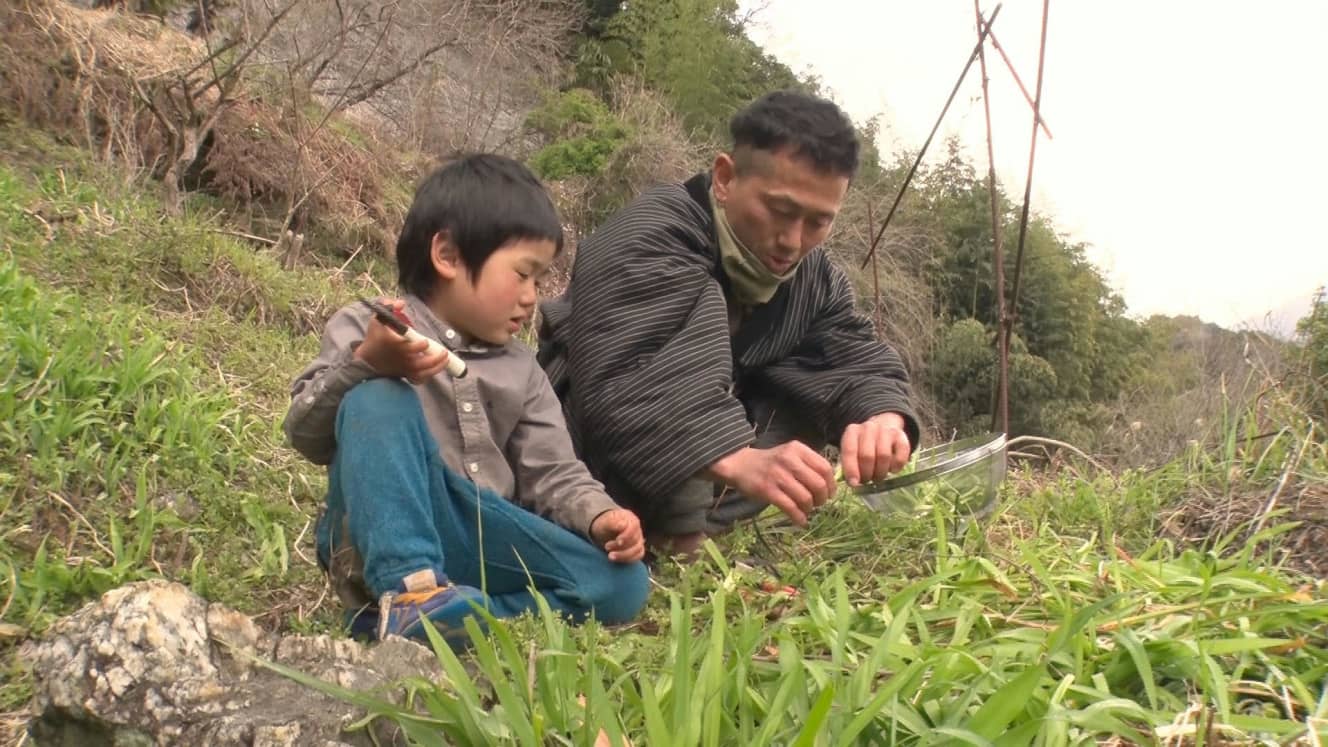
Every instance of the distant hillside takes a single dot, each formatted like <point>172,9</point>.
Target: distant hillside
<point>1280,320</point>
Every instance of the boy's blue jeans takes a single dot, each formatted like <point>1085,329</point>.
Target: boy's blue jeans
<point>394,508</point>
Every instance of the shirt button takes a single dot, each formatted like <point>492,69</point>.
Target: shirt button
<point>467,407</point>
<point>450,334</point>
<point>474,467</point>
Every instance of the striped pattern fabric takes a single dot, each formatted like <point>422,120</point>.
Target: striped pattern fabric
<point>652,382</point>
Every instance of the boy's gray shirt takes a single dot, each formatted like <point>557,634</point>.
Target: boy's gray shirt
<point>501,425</point>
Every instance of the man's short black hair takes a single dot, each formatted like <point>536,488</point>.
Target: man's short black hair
<point>807,126</point>
<point>483,201</point>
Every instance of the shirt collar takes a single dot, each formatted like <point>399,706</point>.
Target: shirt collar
<point>434,326</point>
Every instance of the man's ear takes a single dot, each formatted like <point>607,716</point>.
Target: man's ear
<point>722,176</point>
<point>444,256</point>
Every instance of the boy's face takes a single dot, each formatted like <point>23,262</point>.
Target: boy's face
<point>494,306</point>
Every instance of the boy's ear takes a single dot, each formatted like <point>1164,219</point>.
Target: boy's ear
<point>444,256</point>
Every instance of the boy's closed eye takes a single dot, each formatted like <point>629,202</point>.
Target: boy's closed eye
<point>541,275</point>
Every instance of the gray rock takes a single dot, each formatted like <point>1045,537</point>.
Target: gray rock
<point>154,664</point>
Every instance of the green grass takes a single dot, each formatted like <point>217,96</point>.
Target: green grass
<point>1045,640</point>
<point>143,377</point>
<point>144,373</point>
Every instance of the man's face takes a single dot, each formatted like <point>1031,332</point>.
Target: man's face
<point>779,205</point>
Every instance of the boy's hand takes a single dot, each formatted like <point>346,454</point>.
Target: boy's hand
<point>618,531</point>
<point>392,355</point>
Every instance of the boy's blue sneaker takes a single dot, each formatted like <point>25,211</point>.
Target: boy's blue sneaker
<point>399,613</point>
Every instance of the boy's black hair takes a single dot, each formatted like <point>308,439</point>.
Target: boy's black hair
<point>483,201</point>
<point>809,127</point>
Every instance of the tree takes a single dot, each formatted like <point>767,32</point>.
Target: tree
<point>696,52</point>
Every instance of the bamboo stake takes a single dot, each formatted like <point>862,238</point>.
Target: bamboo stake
<point>871,252</point>
<point>1001,416</point>
<point>1012,312</point>
<point>1019,81</point>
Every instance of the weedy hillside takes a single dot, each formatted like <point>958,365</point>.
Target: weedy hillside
<point>143,377</point>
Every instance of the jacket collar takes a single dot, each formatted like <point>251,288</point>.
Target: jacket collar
<point>763,317</point>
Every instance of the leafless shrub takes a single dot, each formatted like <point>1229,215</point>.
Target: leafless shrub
<point>439,74</point>
<point>252,110</point>
<point>396,68</point>
<point>84,74</point>
<point>352,187</point>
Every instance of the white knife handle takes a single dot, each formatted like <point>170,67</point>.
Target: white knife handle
<point>455,365</point>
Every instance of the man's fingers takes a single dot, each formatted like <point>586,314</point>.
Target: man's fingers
<point>790,509</point>
<point>820,473</point>
<point>789,484</point>
<point>848,454</point>
<point>862,461</point>
<point>826,470</point>
<point>809,476</point>
<point>901,450</point>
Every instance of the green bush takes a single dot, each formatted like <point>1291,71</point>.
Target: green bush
<point>582,135</point>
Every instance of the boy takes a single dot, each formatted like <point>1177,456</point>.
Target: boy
<point>442,491</point>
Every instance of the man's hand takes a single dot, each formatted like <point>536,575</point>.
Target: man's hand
<point>392,355</point>
<point>872,450</point>
<point>791,477</point>
<point>618,531</point>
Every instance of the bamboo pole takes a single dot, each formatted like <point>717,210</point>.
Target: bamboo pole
<point>986,29</point>
<point>1012,312</point>
<point>1000,417</point>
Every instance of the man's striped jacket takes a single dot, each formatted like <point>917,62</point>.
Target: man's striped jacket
<point>652,381</point>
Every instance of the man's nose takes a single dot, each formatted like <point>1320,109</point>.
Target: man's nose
<point>790,238</point>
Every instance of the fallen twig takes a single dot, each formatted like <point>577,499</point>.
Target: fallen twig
<point>243,235</point>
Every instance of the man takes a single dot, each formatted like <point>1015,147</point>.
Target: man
<point>706,349</point>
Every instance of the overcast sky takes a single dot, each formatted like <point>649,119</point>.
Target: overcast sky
<point>1190,139</point>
